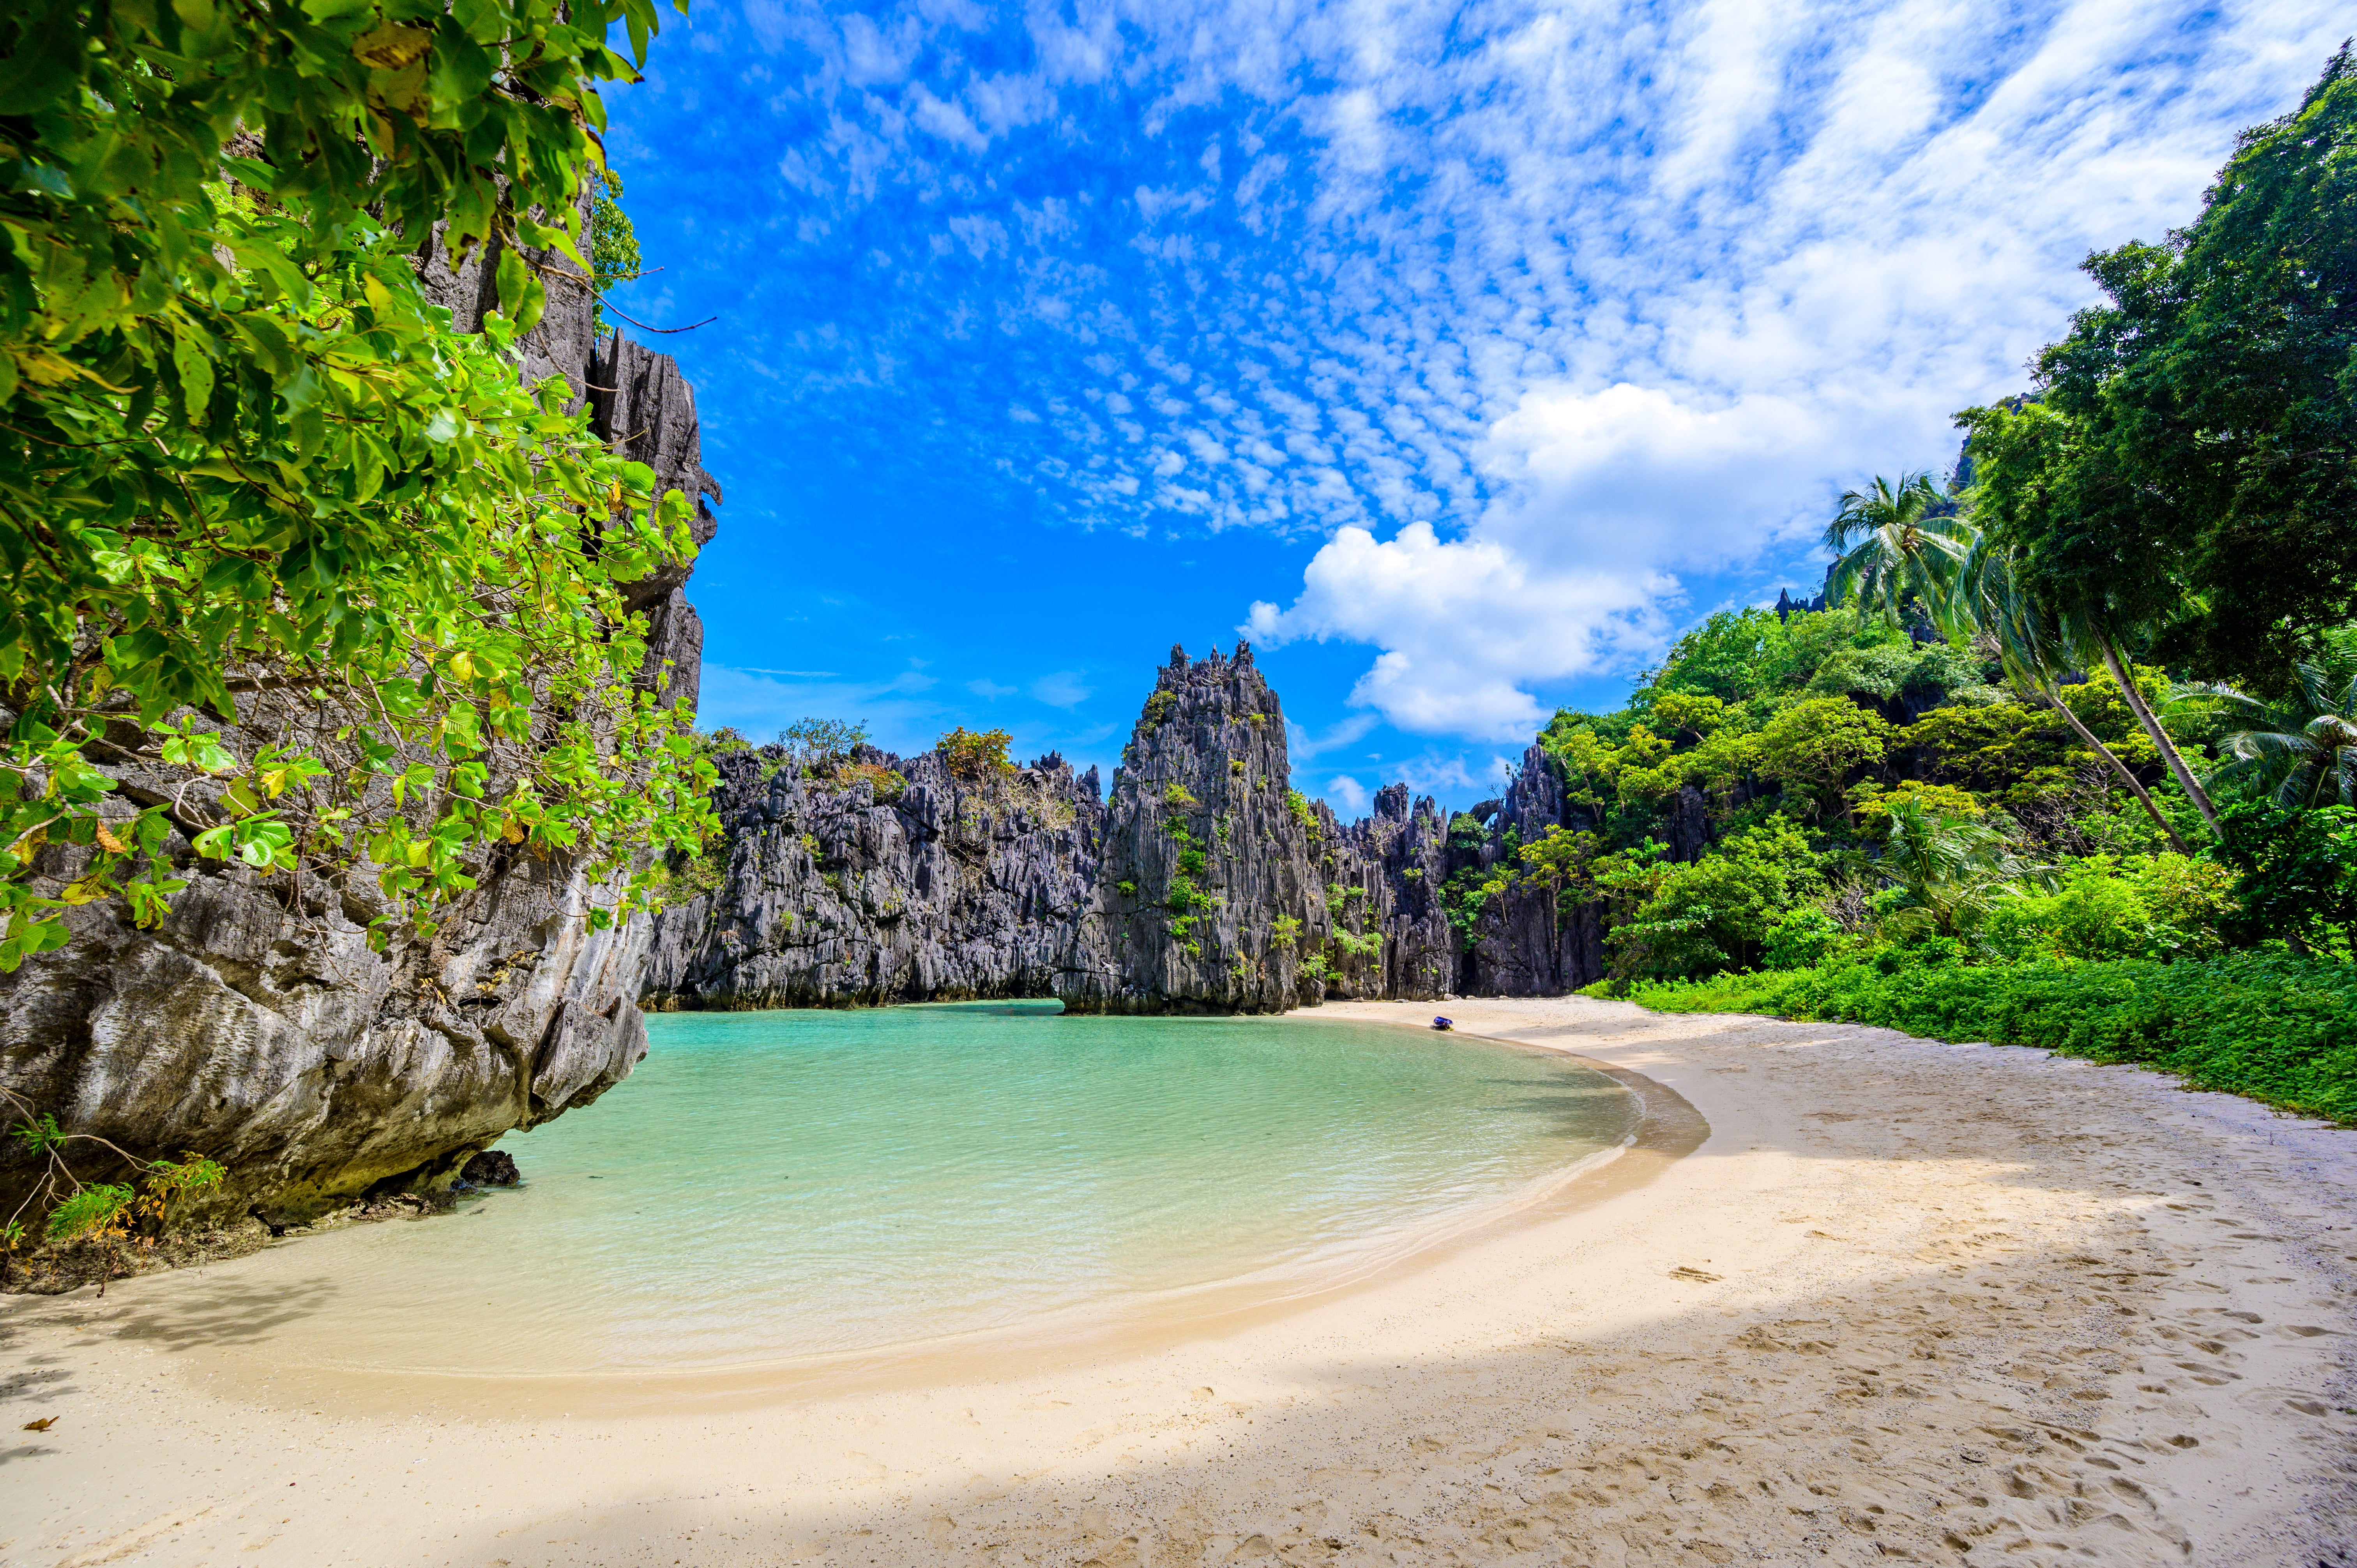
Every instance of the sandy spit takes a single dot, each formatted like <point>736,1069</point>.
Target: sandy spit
<point>1945,1304</point>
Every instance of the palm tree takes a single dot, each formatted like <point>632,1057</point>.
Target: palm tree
<point>1890,545</point>
<point>2033,648</point>
<point>1890,548</point>
<point>2303,750</point>
<point>1951,870</point>
<point>2103,639</point>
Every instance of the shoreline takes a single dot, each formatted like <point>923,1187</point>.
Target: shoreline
<point>1903,1292</point>
<point>1662,1128</point>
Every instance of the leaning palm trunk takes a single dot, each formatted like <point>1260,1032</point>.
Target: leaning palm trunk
<point>1985,599</point>
<point>2088,738</point>
<point>2159,737</point>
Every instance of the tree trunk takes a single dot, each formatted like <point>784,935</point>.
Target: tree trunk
<point>2158,736</point>
<point>2105,752</point>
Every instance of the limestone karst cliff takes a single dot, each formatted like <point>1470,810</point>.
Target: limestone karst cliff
<point>1210,898</point>
<point>1203,883</point>
<point>273,1040</point>
<point>949,889</point>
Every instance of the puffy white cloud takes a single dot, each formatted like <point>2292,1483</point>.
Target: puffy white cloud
<point>1461,623</point>
<point>1653,360</point>
<point>1347,796</point>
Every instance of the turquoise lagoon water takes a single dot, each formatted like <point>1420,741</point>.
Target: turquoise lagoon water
<point>774,1186</point>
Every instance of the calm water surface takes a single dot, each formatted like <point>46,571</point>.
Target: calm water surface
<point>775,1186</point>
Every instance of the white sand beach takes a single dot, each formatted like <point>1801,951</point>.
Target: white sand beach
<point>1947,1304</point>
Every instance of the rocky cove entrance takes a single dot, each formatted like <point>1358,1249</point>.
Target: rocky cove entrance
<point>1203,883</point>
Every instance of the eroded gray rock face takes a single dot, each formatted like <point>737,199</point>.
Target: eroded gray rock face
<point>954,890</point>
<point>646,409</point>
<point>1206,859</point>
<point>1529,941</point>
<point>272,1040</point>
<point>1389,869</point>
<point>1202,884</point>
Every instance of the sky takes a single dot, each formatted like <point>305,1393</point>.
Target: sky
<point>1459,356</point>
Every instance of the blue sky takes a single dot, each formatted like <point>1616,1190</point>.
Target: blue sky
<point>1464,354</point>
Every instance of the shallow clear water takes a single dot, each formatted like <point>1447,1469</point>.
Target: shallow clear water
<point>775,1186</point>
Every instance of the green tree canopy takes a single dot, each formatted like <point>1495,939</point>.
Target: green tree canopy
<point>2191,462</point>
<point>297,571</point>
<point>1891,544</point>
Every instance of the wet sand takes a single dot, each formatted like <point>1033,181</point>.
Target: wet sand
<point>1954,1304</point>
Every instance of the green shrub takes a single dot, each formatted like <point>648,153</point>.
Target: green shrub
<point>2160,905</point>
<point>2297,872</point>
<point>2268,1026</point>
<point>1718,910</point>
<point>1800,938</point>
<point>975,754</point>
<point>887,785</point>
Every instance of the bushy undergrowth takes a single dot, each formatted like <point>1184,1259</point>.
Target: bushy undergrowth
<point>2272,1027</point>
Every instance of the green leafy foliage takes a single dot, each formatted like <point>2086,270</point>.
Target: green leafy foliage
<point>2268,1026</point>
<point>322,571</point>
<point>1948,871</point>
<point>95,1210</point>
<point>1814,745</point>
<point>2105,907</point>
<point>2296,873</point>
<point>1719,910</point>
<point>613,240</point>
<point>977,756</point>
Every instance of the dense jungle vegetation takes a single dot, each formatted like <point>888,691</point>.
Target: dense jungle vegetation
<point>2070,759</point>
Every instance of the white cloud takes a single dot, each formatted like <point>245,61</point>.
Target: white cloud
<point>1301,746</point>
<point>989,690</point>
<point>1460,624</point>
<point>1841,235</point>
<point>1061,690</point>
<point>1348,796</point>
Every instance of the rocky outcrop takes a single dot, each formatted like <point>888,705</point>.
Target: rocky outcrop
<point>269,1036</point>
<point>1204,884</point>
<point>645,408</point>
<point>1531,939</point>
<point>1390,937</point>
<point>1210,897</point>
<point>842,886</point>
